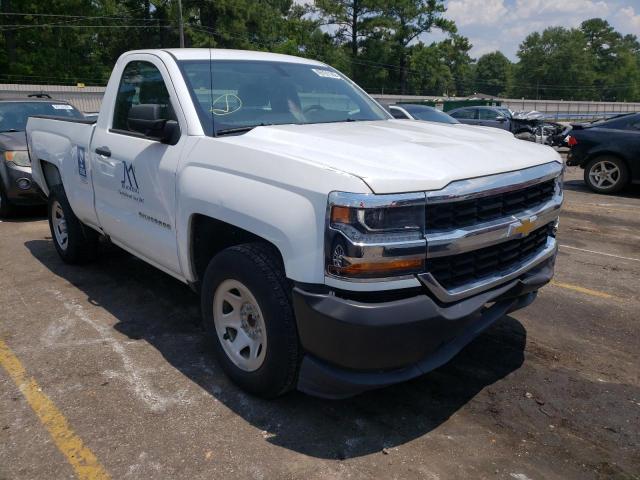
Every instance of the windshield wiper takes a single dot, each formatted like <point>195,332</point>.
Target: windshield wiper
<point>10,130</point>
<point>344,120</point>
<point>226,131</point>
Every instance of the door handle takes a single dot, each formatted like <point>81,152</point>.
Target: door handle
<point>104,151</point>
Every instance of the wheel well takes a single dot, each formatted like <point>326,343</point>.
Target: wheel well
<point>51,174</point>
<point>593,156</point>
<point>210,236</point>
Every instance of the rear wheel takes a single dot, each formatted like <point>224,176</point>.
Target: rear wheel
<point>606,174</point>
<point>249,319</point>
<point>75,242</point>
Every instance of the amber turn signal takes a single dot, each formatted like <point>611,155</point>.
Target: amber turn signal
<point>375,268</point>
<point>340,214</point>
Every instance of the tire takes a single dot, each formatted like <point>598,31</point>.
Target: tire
<point>269,366</point>
<point>617,176</point>
<point>75,242</point>
<point>6,209</point>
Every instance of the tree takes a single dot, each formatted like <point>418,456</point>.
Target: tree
<point>555,64</point>
<point>493,74</point>
<point>354,20</point>
<point>615,60</point>
<point>430,74</point>
<point>44,50</point>
<point>406,20</point>
<point>455,54</point>
<point>302,36</point>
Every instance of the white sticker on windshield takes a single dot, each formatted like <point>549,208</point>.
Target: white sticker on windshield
<point>326,73</point>
<point>62,107</point>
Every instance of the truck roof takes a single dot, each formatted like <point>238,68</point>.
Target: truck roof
<point>228,54</point>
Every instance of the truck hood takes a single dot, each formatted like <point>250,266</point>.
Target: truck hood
<point>398,156</point>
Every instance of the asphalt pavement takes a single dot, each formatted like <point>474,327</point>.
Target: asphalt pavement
<point>105,372</point>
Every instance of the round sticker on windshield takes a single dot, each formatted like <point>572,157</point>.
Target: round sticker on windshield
<point>226,104</point>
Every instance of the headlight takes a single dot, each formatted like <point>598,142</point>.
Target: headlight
<point>375,236</point>
<point>19,157</point>
<point>559,184</point>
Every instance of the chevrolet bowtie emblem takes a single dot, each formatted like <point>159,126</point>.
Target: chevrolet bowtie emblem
<point>523,228</point>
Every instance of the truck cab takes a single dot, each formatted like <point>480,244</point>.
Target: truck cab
<point>335,249</point>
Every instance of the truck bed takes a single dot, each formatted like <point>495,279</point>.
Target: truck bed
<point>64,144</point>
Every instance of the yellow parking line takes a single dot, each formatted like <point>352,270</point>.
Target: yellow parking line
<point>577,288</point>
<point>84,462</point>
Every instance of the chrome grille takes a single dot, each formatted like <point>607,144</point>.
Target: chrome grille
<point>486,231</point>
<point>455,270</point>
<point>451,215</point>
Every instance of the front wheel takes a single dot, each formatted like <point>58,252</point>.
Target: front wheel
<point>606,174</point>
<point>75,242</point>
<point>248,317</point>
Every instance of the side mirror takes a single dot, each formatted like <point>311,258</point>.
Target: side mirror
<point>147,120</point>
<point>501,119</point>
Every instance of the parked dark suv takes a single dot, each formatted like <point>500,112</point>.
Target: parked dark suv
<point>16,187</point>
<point>497,117</point>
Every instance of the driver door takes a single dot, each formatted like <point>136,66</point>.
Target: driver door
<point>134,176</point>
<point>491,118</point>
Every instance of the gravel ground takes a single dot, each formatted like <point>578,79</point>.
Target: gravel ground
<point>552,391</point>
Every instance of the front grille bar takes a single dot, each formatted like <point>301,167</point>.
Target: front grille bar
<point>491,281</point>
<point>494,184</point>
<point>445,246</point>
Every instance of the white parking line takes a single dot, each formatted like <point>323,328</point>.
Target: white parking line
<point>624,205</point>
<point>601,253</point>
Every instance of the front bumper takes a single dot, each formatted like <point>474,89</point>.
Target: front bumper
<point>353,346</point>
<point>19,186</point>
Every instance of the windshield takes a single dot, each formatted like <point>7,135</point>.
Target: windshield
<point>232,95</point>
<point>429,114</point>
<point>505,111</point>
<point>14,115</point>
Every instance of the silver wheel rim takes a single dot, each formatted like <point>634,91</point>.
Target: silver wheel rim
<point>240,325</point>
<point>604,174</point>
<point>59,225</point>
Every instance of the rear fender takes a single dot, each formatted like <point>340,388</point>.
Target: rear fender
<point>59,153</point>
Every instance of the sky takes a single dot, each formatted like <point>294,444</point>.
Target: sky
<point>503,24</point>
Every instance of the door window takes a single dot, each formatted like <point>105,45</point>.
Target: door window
<point>486,114</point>
<point>398,114</point>
<point>141,83</point>
<point>466,114</point>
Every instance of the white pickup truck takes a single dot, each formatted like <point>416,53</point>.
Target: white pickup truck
<point>336,249</point>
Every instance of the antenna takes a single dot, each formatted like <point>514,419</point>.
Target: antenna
<point>213,126</point>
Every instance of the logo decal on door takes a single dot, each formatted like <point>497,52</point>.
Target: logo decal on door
<point>82,164</point>
<point>129,183</point>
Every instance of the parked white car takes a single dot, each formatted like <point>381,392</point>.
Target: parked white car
<point>335,248</point>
